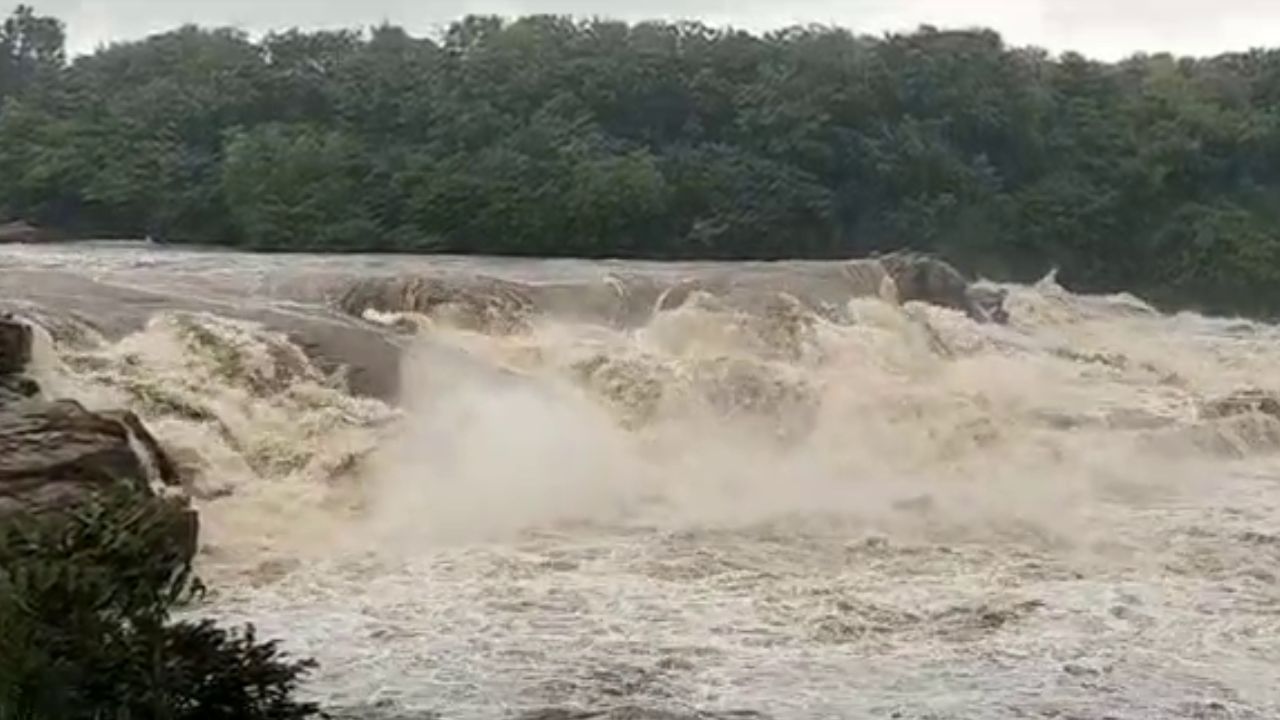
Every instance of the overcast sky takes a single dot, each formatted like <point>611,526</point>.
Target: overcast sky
<point>1105,29</point>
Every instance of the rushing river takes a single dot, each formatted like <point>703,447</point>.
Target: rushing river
<point>518,487</point>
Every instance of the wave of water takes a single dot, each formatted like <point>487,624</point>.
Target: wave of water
<point>775,506</point>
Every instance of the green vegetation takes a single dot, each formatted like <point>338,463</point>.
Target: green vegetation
<point>86,633</point>
<point>553,136</point>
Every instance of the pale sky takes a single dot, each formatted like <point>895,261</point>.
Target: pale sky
<point>1105,29</point>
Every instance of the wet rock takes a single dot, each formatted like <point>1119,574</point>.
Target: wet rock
<point>1242,402</point>
<point>481,304</point>
<point>1261,538</point>
<point>15,353</point>
<point>367,355</point>
<point>54,453</point>
<point>69,330</point>
<point>928,279</point>
<point>15,388</point>
<point>23,232</point>
<point>503,306</point>
<point>1240,424</point>
<point>1111,360</point>
<point>1236,436</point>
<point>15,345</point>
<point>50,452</point>
<point>1080,670</point>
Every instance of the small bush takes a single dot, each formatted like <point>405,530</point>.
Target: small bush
<point>86,631</point>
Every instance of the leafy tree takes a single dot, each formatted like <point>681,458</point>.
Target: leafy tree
<point>733,204</point>
<point>555,135</point>
<point>295,187</point>
<point>86,632</point>
<point>32,48</point>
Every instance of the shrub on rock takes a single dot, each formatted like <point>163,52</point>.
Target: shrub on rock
<point>86,628</point>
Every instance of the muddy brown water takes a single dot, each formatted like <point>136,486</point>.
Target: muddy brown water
<point>779,499</point>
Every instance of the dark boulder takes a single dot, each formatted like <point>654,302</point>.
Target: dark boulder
<point>15,345</point>
<point>15,353</point>
<point>16,388</point>
<point>51,451</point>
<point>54,453</point>
<point>928,279</point>
<point>23,232</point>
<point>1242,402</point>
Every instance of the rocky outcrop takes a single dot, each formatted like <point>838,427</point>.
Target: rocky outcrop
<point>54,453</point>
<point>15,353</point>
<point>478,303</point>
<point>496,305</point>
<point>79,310</point>
<point>22,232</point>
<point>1242,402</point>
<point>928,279</point>
<point>51,451</point>
<point>15,345</point>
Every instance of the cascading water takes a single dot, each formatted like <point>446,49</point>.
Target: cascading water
<point>763,498</point>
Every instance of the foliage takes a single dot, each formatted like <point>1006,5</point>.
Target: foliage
<point>556,136</point>
<point>86,633</point>
<point>296,186</point>
<point>31,46</point>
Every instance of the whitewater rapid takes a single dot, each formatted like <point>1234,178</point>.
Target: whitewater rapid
<point>778,503</point>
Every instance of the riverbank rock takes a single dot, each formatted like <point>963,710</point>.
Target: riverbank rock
<point>54,453</point>
<point>23,232</point>
<point>51,451</point>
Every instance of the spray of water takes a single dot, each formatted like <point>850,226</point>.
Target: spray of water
<point>764,505</point>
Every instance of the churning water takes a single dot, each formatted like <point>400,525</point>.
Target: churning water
<point>596,486</point>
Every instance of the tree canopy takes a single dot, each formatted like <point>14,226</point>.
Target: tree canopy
<point>551,135</point>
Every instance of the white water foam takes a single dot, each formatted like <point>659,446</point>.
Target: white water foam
<point>906,515</point>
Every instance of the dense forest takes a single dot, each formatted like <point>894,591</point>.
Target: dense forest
<point>551,135</point>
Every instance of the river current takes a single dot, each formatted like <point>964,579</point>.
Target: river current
<point>498,488</point>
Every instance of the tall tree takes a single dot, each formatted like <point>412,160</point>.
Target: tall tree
<point>556,135</point>
<point>32,48</point>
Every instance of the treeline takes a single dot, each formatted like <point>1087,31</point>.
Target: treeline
<point>555,136</point>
